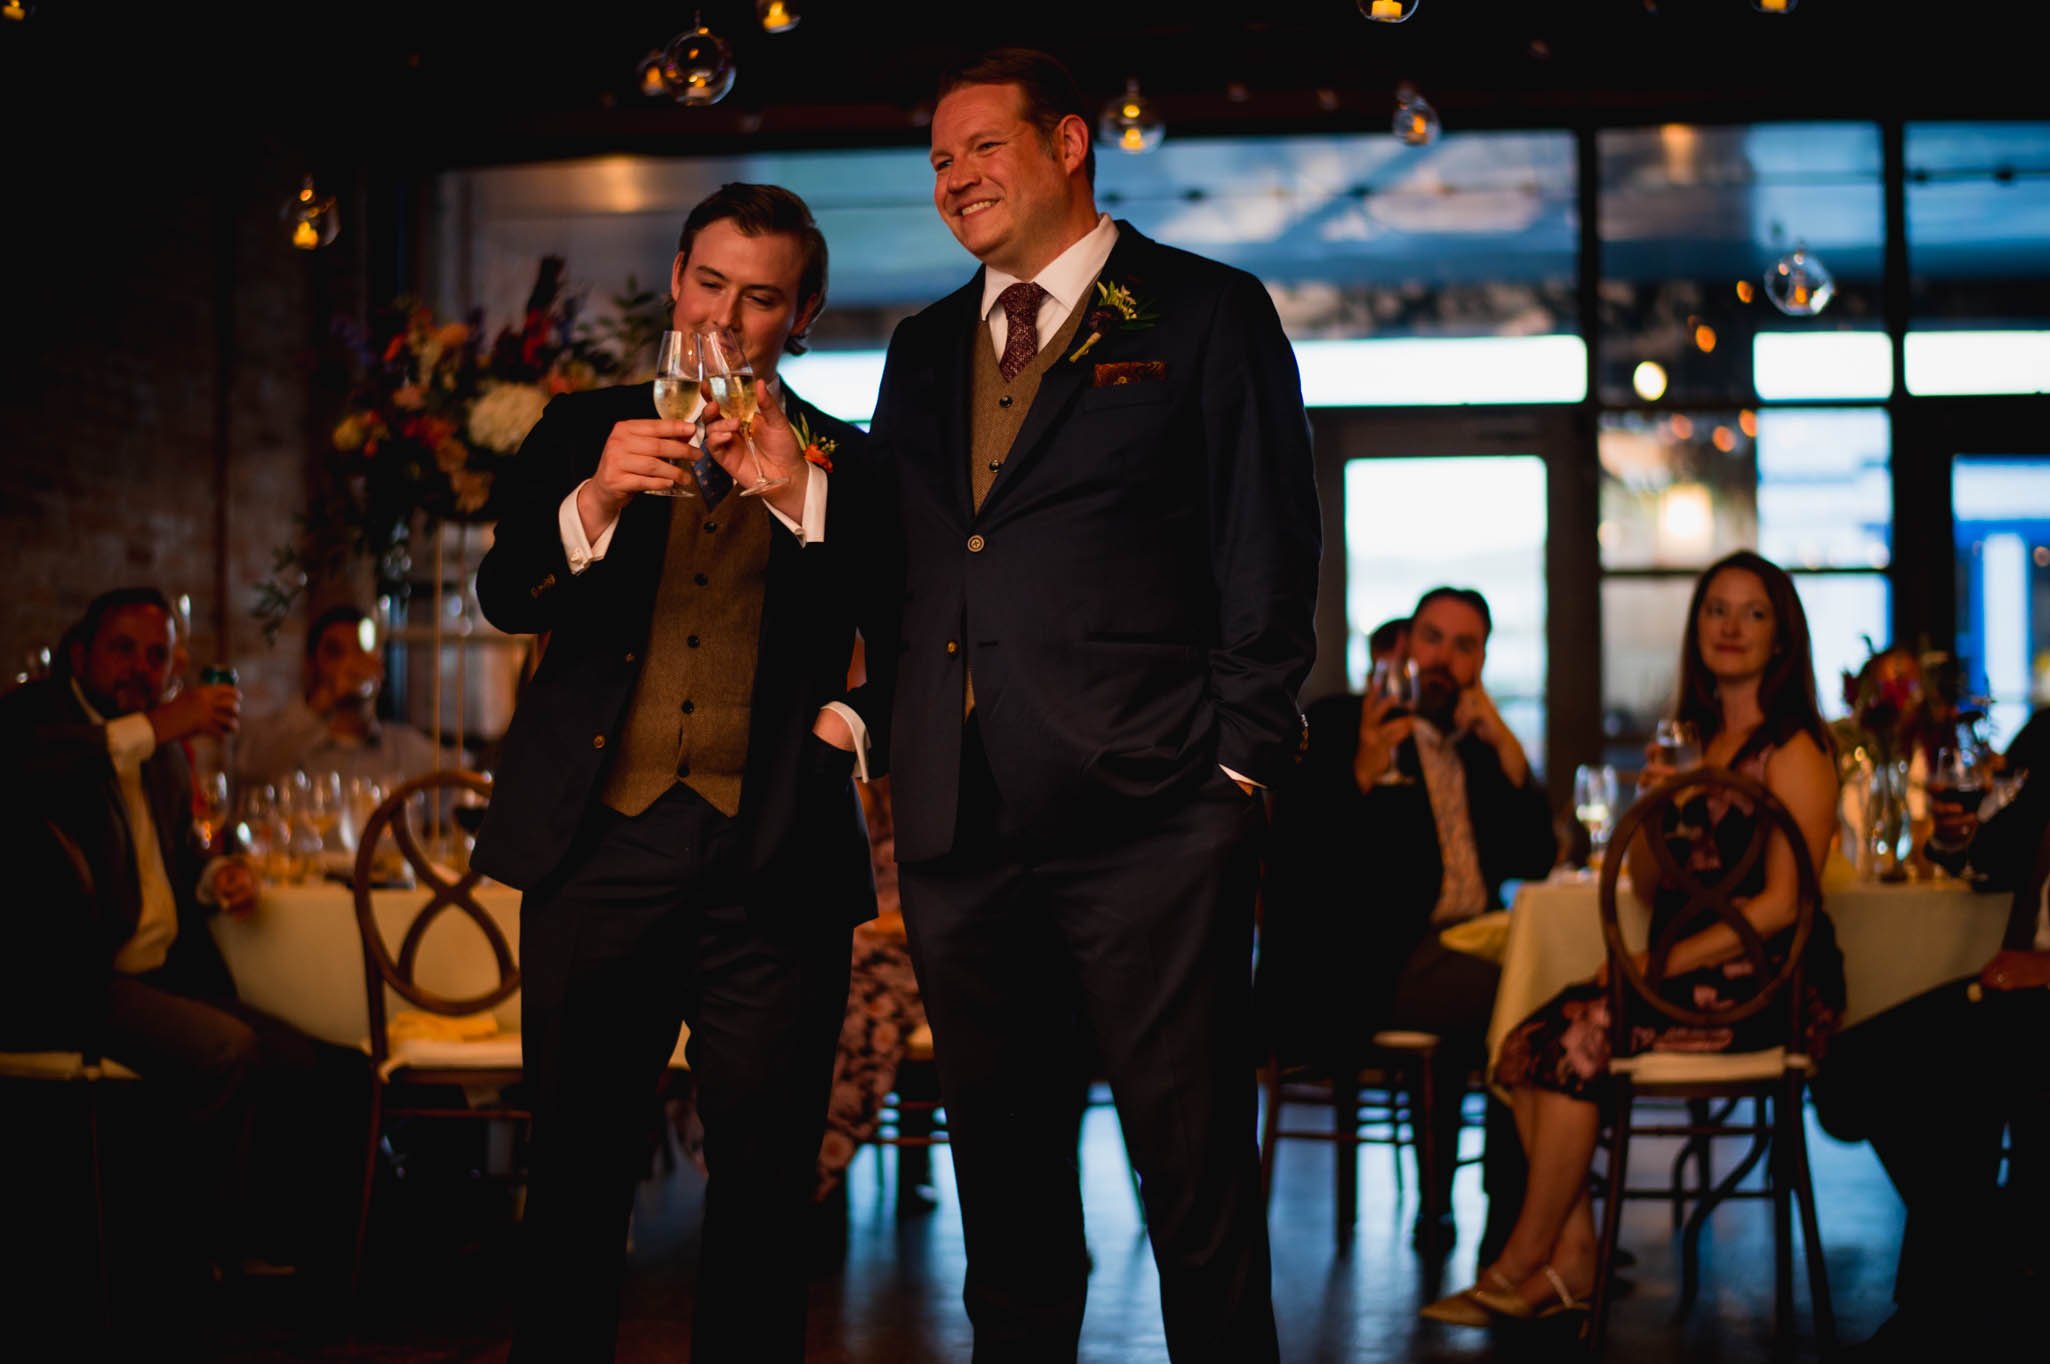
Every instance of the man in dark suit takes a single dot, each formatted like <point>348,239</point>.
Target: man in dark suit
<point>115,958</point>
<point>674,796</point>
<point>1111,522</point>
<point>1424,813</point>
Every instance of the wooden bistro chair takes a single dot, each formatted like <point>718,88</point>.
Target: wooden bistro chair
<point>1771,1081</point>
<point>485,1064</point>
<point>1385,1103</point>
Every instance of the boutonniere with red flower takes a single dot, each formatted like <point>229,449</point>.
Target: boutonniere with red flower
<point>1116,306</point>
<point>817,450</point>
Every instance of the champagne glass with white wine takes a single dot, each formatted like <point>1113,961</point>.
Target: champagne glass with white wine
<point>677,376</point>
<point>730,382</point>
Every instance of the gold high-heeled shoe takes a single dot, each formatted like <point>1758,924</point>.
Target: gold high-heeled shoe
<point>1465,1308</point>
<point>1510,1304</point>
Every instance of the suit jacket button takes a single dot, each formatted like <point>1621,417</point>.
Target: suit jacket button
<point>629,658</point>
<point>952,648</point>
<point>597,741</point>
<point>975,544</point>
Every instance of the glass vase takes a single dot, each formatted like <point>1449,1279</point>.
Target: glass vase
<point>1889,839</point>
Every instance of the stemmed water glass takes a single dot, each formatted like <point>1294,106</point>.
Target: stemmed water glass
<point>729,381</point>
<point>678,376</point>
<point>1594,805</point>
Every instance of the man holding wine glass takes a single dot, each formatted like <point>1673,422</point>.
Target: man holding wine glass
<point>674,793</point>
<point>1422,798</point>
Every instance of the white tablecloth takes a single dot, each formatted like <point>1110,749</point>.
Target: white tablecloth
<point>1898,940</point>
<point>298,955</point>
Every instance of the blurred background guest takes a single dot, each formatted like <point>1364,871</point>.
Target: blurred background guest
<point>335,727</point>
<point>117,958</point>
<point>1420,806</point>
<point>1747,687</point>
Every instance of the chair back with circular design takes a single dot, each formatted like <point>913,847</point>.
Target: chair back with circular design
<point>1711,897</point>
<point>447,892</point>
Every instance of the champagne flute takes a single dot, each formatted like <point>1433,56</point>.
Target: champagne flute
<point>677,377</point>
<point>210,811</point>
<point>730,382</point>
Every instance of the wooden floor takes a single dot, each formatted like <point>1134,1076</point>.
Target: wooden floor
<point>439,1287</point>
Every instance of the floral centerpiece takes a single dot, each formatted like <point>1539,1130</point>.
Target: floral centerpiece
<point>1902,703</point>
<point>434,414</point>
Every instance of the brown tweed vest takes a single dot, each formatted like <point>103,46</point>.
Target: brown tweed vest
<point>996,412</point>
<point>688,719</point>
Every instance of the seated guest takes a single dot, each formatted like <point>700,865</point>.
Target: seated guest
<point>1933,1083</point>
<point>1747,685</point>
<point>1420,854</point>
<point>336,727</point>
<point>1388,641</point>
<point>120,961</point>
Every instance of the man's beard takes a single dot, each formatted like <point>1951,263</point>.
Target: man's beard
<point>1437,698</point>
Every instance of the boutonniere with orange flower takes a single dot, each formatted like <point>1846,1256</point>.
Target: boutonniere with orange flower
<point>817,450</point>
<point>1116,306</point>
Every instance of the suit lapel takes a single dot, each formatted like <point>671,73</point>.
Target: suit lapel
<point>1063,381</point>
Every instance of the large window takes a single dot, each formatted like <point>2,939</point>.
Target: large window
<point>1460,521</point>
<point>2002,507</point>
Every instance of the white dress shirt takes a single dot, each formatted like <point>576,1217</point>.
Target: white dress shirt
<point>131,739</point>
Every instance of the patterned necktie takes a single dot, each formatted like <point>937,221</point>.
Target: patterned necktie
<point>1021,306</point>
<point>713,480</point>
<point>1461,891</point>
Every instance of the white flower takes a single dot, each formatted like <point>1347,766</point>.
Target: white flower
<point>503,415</point>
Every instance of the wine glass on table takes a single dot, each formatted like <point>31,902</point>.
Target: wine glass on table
<point>730,382</point>
<point>1679,745</point>
<point>1956,788</point>
<point>677,378</point>
<point>1594,805</point>
<point>1395,681</point>
<point>210,811</point>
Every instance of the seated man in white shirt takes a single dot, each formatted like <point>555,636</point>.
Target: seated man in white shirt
<point>335,728</point>
<point>117,959</point>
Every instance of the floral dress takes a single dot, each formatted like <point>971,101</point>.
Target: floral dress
<point>1564,1046</point>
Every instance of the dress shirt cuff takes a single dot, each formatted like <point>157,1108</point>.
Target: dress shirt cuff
<point>131,739</point>
<point>847,713</point>
<point>581,551</point>
<point>812,529</point>
<point>1241,777</point>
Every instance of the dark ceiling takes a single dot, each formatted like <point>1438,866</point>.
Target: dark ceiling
<point>448,84</point>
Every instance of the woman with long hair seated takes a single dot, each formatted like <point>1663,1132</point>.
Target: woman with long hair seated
<point>1747,685</point>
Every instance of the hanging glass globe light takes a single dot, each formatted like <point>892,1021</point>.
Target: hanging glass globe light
<point>648,77</point>
<point>1798,284</point>
<point>777,16</point>
<point>1416,122</point>
<point>699,67</point>
<point>1774,6</point>
<point>310,217</point>
<point>1130,123</point>
<point>1387,11</point>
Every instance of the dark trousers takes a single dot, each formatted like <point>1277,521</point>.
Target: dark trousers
<point>1932,1083</point>
<point>1452,994</point>
<point>1145,940</point>
<point>269,1119</point>
<point>644,929</point>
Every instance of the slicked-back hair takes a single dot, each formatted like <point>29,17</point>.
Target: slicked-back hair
<point>757,211</point>
<point>1046,86</point>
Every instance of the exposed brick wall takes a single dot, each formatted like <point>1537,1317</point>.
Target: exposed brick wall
<point>125,319</point>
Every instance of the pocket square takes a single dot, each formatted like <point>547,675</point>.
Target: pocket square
<point>1130,372</point>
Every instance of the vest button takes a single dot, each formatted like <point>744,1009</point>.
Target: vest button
<point>683,769</point>
<point>597,741</point>
<point>700,579</point>
<point>689,707</point>
<point>1004,401</point>
<point>711,526</point>
<point>995,465</point>
<point>975,544</point>
<point>692,641</point>
<point>953,648</point>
